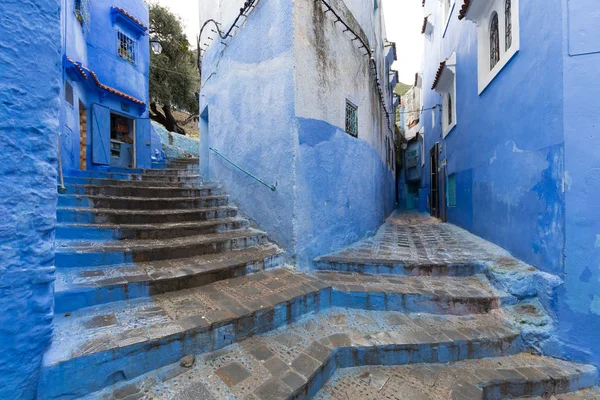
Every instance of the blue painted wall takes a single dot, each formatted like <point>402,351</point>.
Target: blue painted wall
<point>507,147</point>
<point>274,101</point>
<point>578,302</point>
<point>30,72</point>
<point>94,45</point>
<point>524,153</point>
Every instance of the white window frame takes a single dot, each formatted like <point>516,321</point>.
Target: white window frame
<point>447,86</point>
<point>480,12</point>
<point>447,13</point>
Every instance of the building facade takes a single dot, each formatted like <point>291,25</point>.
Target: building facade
<point>106,61</point>
<point>301,95</point>
<point>510,138</point>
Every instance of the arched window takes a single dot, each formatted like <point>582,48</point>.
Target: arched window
<point>494,41</point>
<point>508,24</point>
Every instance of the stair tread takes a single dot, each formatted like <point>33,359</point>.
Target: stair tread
<point>97,196</point>
<point>157,226</point>
<point>126,211</point>
<point>125,323</point>
<point>283,360</point>
<point>461,380</point>
<point>586,394</point>
<point>66,246</point>
<point>99,276</point>
<point>475,286</point>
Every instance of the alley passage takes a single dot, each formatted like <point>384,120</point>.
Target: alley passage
<point>164,291</point>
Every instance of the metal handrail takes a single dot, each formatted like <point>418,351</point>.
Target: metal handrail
<point>273,188</point>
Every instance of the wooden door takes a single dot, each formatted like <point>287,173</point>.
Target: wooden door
<point>82,137</point>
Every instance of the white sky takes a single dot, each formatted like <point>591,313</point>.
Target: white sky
<point>403,19</point>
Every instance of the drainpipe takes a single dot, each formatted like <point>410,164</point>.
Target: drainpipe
<point>61,187</point>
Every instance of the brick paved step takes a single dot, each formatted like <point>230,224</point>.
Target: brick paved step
<point>485,379</point>
<point>439,295</point>
<point>77,288</point>
<point>295,361</point>
<point>148,231</point>
<point>130,183</point>
<point>97,346</point>
<point>205,189</point>
<point>77,253</point>
<point>142,203</point>
<point>129,178</point>
<point>106,215</point>
<point>366,265</point>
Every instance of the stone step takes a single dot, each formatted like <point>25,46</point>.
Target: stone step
<point>148,231</point>
<point>585,394</point>
<point>437,295</point>
<point>522,375</point>
<point>131,183</point>
<point>77,253</point>
<point>171,171</point>
<point>106,215</point>
<point>142,203</point>
<point>140,191</point>
<point>77,288</point>
<point>98,346</point>
<point>135,175</point>
<point>295,361</point>
<point>393,266</point>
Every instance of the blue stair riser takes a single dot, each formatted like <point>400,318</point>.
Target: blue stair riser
<point>77,298</point>
<point>415,303</point>
<point>70,259</point>
<point>92,232</point>
<point>467,269</point>
<point>97,173</point>
<point>194,183</point>
<point>141,203</point>
<point>132,191</point>
<point>71,379</point>
<point>69,216</point>
<point>172,172</point>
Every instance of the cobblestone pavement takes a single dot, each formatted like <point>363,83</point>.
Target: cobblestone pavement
<point>273,365</point>
<point>471,379</point>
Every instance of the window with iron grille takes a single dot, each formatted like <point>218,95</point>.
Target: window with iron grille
<point>508,24</point>
<point>494,41</point>
<point>126,47</point>
<point>351,119</point>
<point>69,93</point>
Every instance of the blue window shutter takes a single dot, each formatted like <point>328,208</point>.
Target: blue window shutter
<point>142,143</point>
<point>100,135</point>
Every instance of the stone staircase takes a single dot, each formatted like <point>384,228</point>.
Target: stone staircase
<point>173,296</point>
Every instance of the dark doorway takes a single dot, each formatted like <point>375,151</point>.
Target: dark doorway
<point>434,196</point>
<point>82,137</point>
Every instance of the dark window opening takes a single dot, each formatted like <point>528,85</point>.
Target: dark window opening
<point>351,119</point>
<point>508,24</point>
<point>78,12</point>
<point>494,41</point>
<point>450,111</point>
<point>126,47</point>
<point>69,96</point>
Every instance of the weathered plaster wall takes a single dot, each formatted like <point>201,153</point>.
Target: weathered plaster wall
<point>248,100</point>
<point>507,148</point>
<point>174,145</point>
<point>274,102</point>
<point>578,301</point>
<point>29,113</point>
<point>344,187</point>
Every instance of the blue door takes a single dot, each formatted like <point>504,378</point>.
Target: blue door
<point>143,147</point>
<point>100,135</point>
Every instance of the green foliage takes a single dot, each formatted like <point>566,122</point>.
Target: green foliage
<point>402,88</point>
<point>174,77</point>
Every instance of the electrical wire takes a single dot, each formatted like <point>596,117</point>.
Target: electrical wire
<point>421,110</point>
